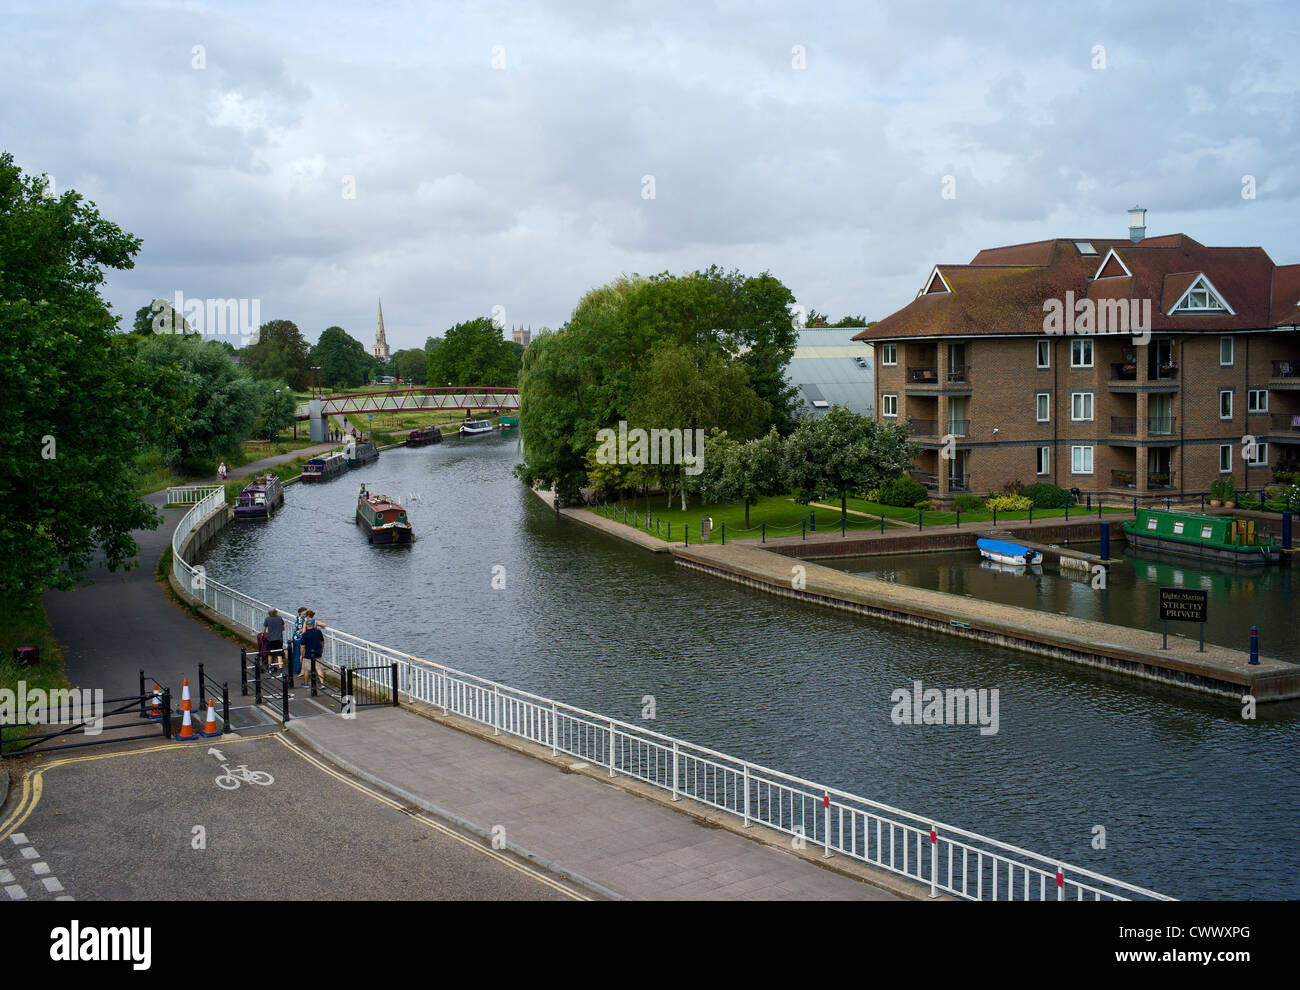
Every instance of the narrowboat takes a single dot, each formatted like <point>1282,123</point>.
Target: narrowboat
<point>507,422</point>
<point>260,499</point>
<point>1002,552</point>
<point>421,438</point>
<point>361,451</point>
<point>1203,536</point>
<point>325,468</point>
<point>383,519</point>
<point>475,427</point>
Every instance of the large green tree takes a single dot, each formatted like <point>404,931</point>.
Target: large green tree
<point>475,353</point>
<point>78,405</point>
<point>342,359</point>
<point>410,364</point>
<point>276,407</point>
<point>223,401</point>
<point>280,353</point>
<point>159,317</point>
<point>745,472</point>
<point>844,452</point>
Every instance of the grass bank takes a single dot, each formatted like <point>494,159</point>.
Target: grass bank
<point>29,627</point>
<point>150,474</point>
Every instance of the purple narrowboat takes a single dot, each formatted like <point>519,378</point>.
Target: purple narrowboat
<point>260,499</point>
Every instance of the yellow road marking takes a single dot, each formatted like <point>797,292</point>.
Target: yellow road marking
<point>33,786</point>
<point>435,825</point>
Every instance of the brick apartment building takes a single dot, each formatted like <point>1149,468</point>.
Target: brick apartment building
<point>975,366</point>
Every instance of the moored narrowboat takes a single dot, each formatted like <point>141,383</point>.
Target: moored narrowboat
<point>507,422</point>
<point>424,437</point>
<point>325,468</point>
<point>360,452</point>
<point>260,498</point>
<point>1206,537</point>
<point>475,427</point>
<point>383,520</point>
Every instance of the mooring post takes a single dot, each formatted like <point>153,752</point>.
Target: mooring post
<point>1254,645</point>
<point>995,515</point>
<point>1286,530</point>
<point>882,522</point>
<point>1031,513</point>
<point>812,521</point>
<point>1089,497</point>
<point>1105,540</point>
<point>803,528</point>
<point>763,526</point>
<point>920,519</point>
<point>686,534</point>
<point>844,518</point>
<point>724,534</point>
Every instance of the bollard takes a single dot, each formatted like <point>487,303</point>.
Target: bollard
<point>225,708</point>
<point>763,525</point>
<point>243,671</point>
<point>144,712</point>
<point>1089,509</point>
<point>1067,511</point>
<point>257,684</point>
<point>803,528</point>
<point>995,515</point>
<point>844,524</point>
<point>312,677</point>
<point>724,534</point>
<point>1202,501</point>
<point>1031,513</point>
<point>882,522</point>
<point>1254,645</point>
<point>1098,506</point>
<point>686,535</point>
<point>1135,505</point>
<point>1286,530</point>
<point>959,518</point>
<point>920,520</point>
<point>1105,541</point>
<point>167,712</point>
<point>812,521</point>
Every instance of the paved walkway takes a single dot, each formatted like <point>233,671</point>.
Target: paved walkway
<point>618,843</point>
<point>122,622</point>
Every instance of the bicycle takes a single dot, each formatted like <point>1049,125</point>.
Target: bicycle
<point>231,778</point>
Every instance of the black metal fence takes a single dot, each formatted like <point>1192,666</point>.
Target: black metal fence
<point>371,686</point>
<point>68,710</point>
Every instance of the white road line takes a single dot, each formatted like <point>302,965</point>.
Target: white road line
<point>15,892</point>
<point>29,852</point>
<point>52,884</point>
<point>20,838</point>
<point>40,869</point>
<point>6,876</point>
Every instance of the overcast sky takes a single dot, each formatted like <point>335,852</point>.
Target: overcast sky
<point>499,152</point>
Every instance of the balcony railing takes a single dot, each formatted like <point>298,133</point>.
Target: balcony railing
<point>926,375</point>
<point>1164,373</point>
<point>1160,481</point>
<point>924,427</point>
<point>1159,425</point>
<point>960,483</point>
<point>1286,369</point>
<point>959,427</point>
<point>1123,426</point>
<point>959,373</point>
<point>1128,479</point>
<point>1285,422</point>
<point>1124,371</point>
<point>1123,479</point>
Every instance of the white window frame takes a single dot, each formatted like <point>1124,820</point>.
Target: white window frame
<point>1077,455</point>
<point>1222,393</point>
<point>1082,344</point>
<point>1231,352</point>
<point>1044,462</point>
<point>1261,456</point>
<point>889,355</point>
<point>1251,395</point>
<point>1043,400</point>
<point>1074,398</point>
<point>886,404</point>
<point>1225,458</point>
<point>1043,349</point>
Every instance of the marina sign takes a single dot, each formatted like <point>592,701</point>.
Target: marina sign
<point>1183,604</point>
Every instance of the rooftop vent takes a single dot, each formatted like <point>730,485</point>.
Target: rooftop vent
<point>1137,224</point>
<point>1085,247</point>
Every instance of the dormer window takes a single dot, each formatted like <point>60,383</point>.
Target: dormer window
<point>1201,297</point>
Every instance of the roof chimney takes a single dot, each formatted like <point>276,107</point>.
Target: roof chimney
<point>1137,224</point>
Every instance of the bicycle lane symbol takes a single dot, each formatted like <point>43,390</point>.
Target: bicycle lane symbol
<point>231,779</point>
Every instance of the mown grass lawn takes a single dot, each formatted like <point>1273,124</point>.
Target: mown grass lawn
<point>150,474</point>
<point>29,627</point>
<point>780,515</point>
<point>933,517</point>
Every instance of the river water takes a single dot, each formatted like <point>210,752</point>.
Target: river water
<point>1194,801</point>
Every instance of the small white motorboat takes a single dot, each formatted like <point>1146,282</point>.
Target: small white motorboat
<point>1007,553</point>
<point>475,427</point>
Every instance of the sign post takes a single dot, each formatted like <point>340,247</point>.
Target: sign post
<point>1183,605</point>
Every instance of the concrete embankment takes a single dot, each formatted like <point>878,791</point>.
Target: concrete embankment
<point>1133,652</point>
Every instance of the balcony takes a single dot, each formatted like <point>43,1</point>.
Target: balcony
<point>1286,369</point>
<point>960,483</point>
<point>925,375</point>
<point>923,427</point>
<point>1123,479</point>
<point>1284,422</point>
<point>1124,371</point>
<point>1160,482</point>
<point>959,374</point>
<point>1123,426</point>
<point>1164,373</point>
<point>1161,425</point>
<point>1155,482</point>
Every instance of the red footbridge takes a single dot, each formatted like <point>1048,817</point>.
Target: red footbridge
<point>463,397</point>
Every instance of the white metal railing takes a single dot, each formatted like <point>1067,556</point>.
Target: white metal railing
<point>189,494</point>
<point>943,857</point>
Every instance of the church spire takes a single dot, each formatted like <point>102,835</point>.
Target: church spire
<point>380,350</point>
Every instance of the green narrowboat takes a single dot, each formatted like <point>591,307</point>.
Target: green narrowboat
<point>383,519</point>
<point>1194,534</point>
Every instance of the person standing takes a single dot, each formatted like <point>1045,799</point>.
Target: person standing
<point>313,642</point>
<point>221,471</point>
<point>295,643</point>
<point>273,626</point>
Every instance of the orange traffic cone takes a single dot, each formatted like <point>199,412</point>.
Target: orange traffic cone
<point>187,727</point>
<point>210,728</point>
<point>186,705</point>
<point>155,709</point>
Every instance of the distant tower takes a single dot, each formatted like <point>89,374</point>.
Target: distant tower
<point>380,350</point>
<point>521,336</point>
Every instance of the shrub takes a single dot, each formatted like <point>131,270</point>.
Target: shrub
<point>902,492</point>
<point>1223,490</point>
<point>1012,487</point>
<point>873,495</point>
<point>968,503</point>
<point>924,505</point>
<point>1009,503</point>
<point>1047,496</point>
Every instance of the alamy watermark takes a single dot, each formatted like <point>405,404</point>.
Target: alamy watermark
<point>1098,316</point>
<point>215,318</point>
<point>57,706</point>
<point>955,706</point>
<point>637,446</point>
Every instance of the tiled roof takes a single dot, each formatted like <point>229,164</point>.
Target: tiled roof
<point>1002,290</point>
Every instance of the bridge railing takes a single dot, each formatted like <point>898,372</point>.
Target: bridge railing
<point>945,858</point>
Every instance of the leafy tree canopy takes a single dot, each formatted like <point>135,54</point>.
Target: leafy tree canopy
<point>474,353</point>
<point>842,452</point>
<point>280,354</point>
<point>159,317</point>
<point>342,359</point>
